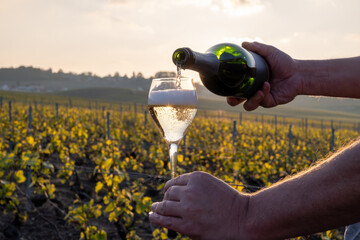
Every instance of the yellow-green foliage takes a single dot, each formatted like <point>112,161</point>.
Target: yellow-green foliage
<point>63,150</point>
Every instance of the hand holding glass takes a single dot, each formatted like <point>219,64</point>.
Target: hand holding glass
<point>172,104</point>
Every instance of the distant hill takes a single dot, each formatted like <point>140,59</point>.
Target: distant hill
<point>107,94</point>
<point>30,79</point>
<point>118,88</point>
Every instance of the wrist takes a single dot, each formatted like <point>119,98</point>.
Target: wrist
<point>313,77</point>
<point>248,222</point>
<point>243,228</point>
<point>262,222</point>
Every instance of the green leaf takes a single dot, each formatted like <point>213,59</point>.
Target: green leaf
<point>99,186</point>
<point>20,178</point>
<point>110,207</point>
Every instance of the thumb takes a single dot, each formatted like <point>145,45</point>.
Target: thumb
<point>259,48</point>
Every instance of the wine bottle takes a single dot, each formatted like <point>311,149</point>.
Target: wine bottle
<point>226,69</point>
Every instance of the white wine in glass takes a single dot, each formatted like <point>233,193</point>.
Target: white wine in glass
<point>172,105</point>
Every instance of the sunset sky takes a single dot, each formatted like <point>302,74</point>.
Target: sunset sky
<point>125,36</point>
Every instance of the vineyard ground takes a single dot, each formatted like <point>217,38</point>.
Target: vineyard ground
<point>254,141</point>
<point>45,219</point>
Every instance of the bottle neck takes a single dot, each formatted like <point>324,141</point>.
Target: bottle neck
<point>203,63</point>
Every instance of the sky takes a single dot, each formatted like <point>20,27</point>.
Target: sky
<point>126,36</point>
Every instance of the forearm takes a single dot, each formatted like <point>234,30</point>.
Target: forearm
<point>324,197</point>
<point>336,77</point>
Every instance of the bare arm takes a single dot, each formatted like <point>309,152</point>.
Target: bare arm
<point>334,78</point>
<point>290,77</point>
<point>324,197</point>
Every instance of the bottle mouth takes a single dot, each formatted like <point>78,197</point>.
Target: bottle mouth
<point>181,57</point>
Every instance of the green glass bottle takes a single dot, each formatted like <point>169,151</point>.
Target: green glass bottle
<point>226,69</point>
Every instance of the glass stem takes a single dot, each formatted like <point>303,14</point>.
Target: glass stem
<point>173,148</point>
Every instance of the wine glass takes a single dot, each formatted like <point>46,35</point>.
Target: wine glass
<point>172,105</point>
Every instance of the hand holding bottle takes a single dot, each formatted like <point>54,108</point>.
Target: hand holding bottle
<point>225,69</point>
<point>284,84</point>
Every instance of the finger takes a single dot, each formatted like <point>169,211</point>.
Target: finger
<point>266,88</point>
<point>181,180</point>
<point>167,208</point>
<point>173,193</point>
<point>234,101</point>
<point>269,100</point>
<point>259,48</point>
<point>254,101</point>
<point>169,222</point>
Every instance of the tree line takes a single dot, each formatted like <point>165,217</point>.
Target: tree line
<point>12,78</point>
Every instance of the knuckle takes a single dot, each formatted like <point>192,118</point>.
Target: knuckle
<point>189,192</point>
<point>199,175</point>
<point>176,180</point>
<point>163,206</point>
<point>167,194</point>
<point>160,208</point>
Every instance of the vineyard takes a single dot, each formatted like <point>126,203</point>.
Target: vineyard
<point>89,170</point>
